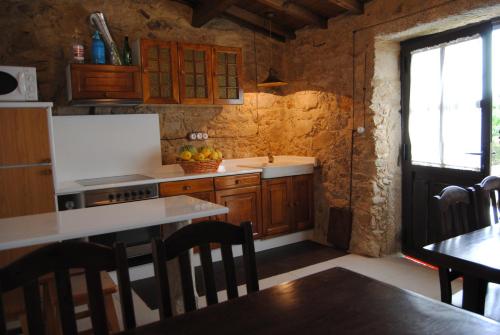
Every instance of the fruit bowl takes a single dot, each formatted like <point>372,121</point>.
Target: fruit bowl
<point>206,166</point>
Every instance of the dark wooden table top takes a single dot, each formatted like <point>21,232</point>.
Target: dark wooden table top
<point>476,253</point>
<point>336,301</point>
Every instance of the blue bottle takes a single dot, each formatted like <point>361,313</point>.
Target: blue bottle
<point>98,51</point>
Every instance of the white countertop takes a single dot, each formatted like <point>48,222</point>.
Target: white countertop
<point>174,172</point>
<point>30,230</point>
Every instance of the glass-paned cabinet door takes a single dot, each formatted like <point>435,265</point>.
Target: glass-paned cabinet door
<point>160,78</point>
<point>227,75</point>
<point>195,74</point>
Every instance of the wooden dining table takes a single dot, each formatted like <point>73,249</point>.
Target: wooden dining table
<point>335,301</point>
<point>477,256</point>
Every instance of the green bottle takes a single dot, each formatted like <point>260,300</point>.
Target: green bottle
<point>127,52</point>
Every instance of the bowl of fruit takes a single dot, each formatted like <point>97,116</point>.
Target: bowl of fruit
<point>199,160</point>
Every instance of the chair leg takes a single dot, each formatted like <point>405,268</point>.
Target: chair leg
<point>445,285</point>
<point>23,320</point>
<point>50,309</point>
<point>113,324</point>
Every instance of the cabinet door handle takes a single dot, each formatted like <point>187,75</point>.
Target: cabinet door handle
<point>186,188</point>
<point>46,172</point>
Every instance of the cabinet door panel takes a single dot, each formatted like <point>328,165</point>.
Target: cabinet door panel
<point>227,64</point>
<point>195,74</point>
<point>244,205</point>
<point>276,206</point>
<point>303,211</point>
<point>24,136</point>
<point>160,68</point>
<point>89,81</point>
<point>25,191</point>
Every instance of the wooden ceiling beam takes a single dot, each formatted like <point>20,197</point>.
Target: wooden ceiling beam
<point>353,6</point>
<point>297,12</point>
<point>206,10</point>
<point>258,23</point>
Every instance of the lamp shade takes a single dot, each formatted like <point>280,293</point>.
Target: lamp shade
<point>272,80</point>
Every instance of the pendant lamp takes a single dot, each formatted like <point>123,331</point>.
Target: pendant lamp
<point>272,79</point>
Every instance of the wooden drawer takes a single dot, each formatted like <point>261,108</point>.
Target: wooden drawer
<point>186,187</point>
<point>223,183</point>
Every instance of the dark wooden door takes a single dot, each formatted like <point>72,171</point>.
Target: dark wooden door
<point>277,206</point>
<point>244,205</point>
<point>303,212</point>
<point>446,114</point>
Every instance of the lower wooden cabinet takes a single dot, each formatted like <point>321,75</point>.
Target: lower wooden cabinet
<point>207,196</point>
<point>287,204</point>
<point>244,205</point>
<point>276,206</point>
<point>303,204</point>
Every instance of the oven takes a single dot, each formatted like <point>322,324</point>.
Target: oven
<point>137,241</point>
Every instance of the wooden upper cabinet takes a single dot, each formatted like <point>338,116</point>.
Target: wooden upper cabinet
<point>24,136</point>
<point>227,64</point>
<point>160,71</point>
<point>303,208</point>
<point>104,82</point>
<point>277,206</point>
<point>195,82</point>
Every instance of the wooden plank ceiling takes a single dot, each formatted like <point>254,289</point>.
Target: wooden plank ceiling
<point>287,16</point>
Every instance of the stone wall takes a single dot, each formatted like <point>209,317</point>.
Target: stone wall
<point>356,60</point>
<point>341,78</point>
<point>39,33</point>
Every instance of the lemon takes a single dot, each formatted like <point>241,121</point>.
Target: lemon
<point>199,157</point>
<point>186,155</point>
<point>219,153</point>
<point>214,156</point>
<point>206,151</point>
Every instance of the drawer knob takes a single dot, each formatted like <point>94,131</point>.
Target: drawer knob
<point>186,187</point>
<point>236,181</point>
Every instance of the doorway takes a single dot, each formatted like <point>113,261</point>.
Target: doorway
<point>449,126</point>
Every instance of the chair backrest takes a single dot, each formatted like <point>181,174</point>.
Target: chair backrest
<point>201,235</point>
<point>455,213</point>
<point>487,192</point>
<point>58,259</point>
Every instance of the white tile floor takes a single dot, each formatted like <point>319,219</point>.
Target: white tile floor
<point>394,269</point>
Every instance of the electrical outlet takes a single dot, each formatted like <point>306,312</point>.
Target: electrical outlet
<point>197,136</point>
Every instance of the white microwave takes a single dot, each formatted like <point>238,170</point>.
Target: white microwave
<point>18,83</point>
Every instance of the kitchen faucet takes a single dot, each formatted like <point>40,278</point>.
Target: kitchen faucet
<point>270,158</point>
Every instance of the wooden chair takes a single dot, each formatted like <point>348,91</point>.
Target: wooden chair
<point>59,259</point>
<point>201,235</point>
<point>455,216</point>
<point>486,197</point>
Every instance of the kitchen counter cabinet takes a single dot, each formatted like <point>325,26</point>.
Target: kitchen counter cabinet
<point>303,202</point>
<point>287,204</point>
<point>197,188</point>
<point>244,204</point>
<point>276,206</point>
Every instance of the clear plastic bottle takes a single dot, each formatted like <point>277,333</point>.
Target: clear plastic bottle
<point>78,49</point>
